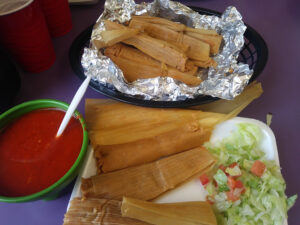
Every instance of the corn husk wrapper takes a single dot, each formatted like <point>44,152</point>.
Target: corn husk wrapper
<point>150,180</point>
<point>136,65</point>
<point>115,157</point>
<point>97,211</point>
<point>182,213</point>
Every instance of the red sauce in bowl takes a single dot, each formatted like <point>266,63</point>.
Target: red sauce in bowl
<point>31,157</point>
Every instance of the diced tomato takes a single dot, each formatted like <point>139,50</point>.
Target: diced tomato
<point>239,184</point>
<point>231,182</point>
<point>204,179</point>
<point>231,196</point>
<point>222,167</point>
<point>233,165</point>
<point>258,168</point>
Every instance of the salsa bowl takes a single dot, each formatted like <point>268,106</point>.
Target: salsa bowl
<point>51,191</point>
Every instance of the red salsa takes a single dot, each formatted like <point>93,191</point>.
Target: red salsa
<point>31,156</point>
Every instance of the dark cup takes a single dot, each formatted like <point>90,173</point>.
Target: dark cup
<point>9,81</point>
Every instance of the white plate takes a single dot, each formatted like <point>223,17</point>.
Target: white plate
<point>193,190</point>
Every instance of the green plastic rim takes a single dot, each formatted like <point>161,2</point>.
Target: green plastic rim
<point>19,110</point>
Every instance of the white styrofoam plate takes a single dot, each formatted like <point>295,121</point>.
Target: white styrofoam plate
<point>193,190</point>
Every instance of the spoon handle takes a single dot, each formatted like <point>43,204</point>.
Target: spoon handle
<point>75,101</point>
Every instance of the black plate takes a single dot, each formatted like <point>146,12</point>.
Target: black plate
<point>254,53</point>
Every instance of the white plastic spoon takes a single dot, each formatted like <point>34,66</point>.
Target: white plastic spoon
<point>75,101</point>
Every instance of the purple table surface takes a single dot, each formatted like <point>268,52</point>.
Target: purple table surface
<point>278,23</point>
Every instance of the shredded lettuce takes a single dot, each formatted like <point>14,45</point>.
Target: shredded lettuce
<point>264,202</point>
<point>221,179</point>
<point>235,171</point>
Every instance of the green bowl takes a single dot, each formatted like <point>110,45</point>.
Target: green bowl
<point>52,191</point>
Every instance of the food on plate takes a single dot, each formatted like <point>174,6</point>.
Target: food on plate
<point>137,65</point>
<point>110,122</point>
<point>97,211</point>
<point>183,213</point>
<point>148,181</point>
<point>186,133</point>
<point>245,187</point>
<point>159,47</point>
<point>120,156</point>
<point>31,157</point>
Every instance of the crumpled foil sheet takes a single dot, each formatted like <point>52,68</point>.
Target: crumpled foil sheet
<point>225,81</point>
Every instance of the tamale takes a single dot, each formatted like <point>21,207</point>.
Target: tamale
<point>137,65</point>
<point>114,157</point>
<point>97,212</point>
<point>161,50</point>
<point>181,213</point>
<point>161,21</point>
<point>112,37</point>
<point>214,41</point>
<point>198,50</point>
<point>173,25</point>
<point>117,123</point>
<point>150,180</point>
<point>158,49</point>
<point>205,64</point>
<point>126,52</point>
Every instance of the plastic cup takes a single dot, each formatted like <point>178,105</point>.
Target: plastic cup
<point>24,33</point>
<point>58,16</point>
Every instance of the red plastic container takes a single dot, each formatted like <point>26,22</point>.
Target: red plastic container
<point>58,16</point>
<point>24,33</point>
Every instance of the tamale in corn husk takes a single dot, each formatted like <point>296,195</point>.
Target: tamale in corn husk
<point>115,157</point>
<point>181,213</point>
<point>111,37</point>
<point>198,49</point>
<point>137,65</point>
<point>187,135</point>
<point>150,180</point>
<point>158,49</point>
<point>110,122</point>
<point>152,24</point>
<point>161,50</point>
<point>173,25</point>
<point>97,212</point>
<point>214,41</point>
<point>205,64</point>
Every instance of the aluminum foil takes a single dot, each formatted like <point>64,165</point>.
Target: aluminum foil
<point>225,81</point>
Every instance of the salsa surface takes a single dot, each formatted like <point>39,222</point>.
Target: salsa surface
<point>31,157</point>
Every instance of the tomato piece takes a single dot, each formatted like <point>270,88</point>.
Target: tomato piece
<point>231,182</point>
<point>204,179</point>
<point>239,184</point>
<point>233,165</point>
<point>258,168</point>
<point>222,167</point>
<point>231,196</point>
